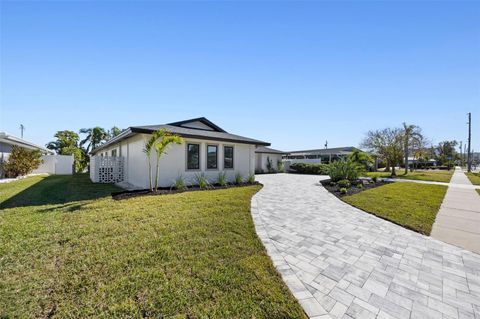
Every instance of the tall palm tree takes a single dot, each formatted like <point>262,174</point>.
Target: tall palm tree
<point>411,134</point>
<point>95,137</point>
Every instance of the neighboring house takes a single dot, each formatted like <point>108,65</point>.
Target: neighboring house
<point>263,155</point>
<point>52,164</point>
<point>7,142</point>
<point>207,149</point>
<point>325,155</point>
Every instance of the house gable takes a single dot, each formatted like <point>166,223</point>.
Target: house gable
<point>200,123</point>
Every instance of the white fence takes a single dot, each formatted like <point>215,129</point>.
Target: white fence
<point>56,164</point>
<point>107,169</point>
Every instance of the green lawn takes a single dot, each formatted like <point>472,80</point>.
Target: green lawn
<point>422,175</point>
<point>411,205</point>
<point>474,178</point>
<point>67,250</point>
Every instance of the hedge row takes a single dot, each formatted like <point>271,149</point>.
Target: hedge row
<point>303,168</point>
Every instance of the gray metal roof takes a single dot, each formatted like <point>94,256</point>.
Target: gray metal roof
<point>268,150</point>
<point>216,134</point>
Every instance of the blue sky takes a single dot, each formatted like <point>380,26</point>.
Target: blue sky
<point>291,73</point>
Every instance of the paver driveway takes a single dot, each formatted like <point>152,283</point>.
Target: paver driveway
<point>341,262</point>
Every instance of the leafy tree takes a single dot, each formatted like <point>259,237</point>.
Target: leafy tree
<point>64,139</point>
<point>387,143</point>
<point>159,141</point>
<point>22,161</point>
<point>446,152</point>
<point>95,137</point>
<point>412,135</point>
<point>66,143</point>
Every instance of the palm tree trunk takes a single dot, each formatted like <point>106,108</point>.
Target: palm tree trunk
<point>150,174</point>
<point>406,156</point>
<point>157,173</point>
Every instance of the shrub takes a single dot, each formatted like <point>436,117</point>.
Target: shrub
<point>179,183</point>
<point>201,180</point>
<point>343,169</point>
<point>360,185</point>
<point>304,168</point>
<point>22,161</point>
<point>344,183</point>
<point>221,179</point>
<point>343,191</point>
<point>375,179</point>
<point>238,178</point>
<point>251,178</point>
<point>280,167</point>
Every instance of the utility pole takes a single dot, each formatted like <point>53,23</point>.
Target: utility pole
<point>326,144</point>
<point>22,128</point>
<point>469,155</point>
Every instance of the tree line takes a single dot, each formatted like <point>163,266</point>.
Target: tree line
<point>395,146</point>
<point>70,143</point>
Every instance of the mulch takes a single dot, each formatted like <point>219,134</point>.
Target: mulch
<point>352,189</point>
<point>168,190</point>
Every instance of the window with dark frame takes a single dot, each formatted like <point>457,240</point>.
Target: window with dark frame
<point>193,156</point>
<point>212,156</point>
<point>228,157</point>
<point>114,153</point>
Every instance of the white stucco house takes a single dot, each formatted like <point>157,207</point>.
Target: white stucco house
<point>264,154</point>
<point>207,149</point>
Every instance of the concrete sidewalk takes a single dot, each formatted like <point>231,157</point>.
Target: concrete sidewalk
<point>458,220</point>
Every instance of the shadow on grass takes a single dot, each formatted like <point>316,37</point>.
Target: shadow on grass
<point>59,189</point>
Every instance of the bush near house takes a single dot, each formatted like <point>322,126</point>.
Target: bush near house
<point>343,170</point>
<point>22,161</point>
<point>316,169</point>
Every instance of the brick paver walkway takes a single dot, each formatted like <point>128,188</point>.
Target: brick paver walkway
<point>340,262</point>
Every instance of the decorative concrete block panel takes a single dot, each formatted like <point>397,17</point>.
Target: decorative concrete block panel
<point>107,169</point>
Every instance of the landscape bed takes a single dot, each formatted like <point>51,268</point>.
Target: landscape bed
<point>334,189</point>
<point>169,190</point>
<point>69,250</point>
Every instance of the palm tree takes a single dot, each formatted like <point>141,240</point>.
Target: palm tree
<point>95,137</point>
<point>148,149</point>
<point>159,141</point>
<point>411,133</point>
<point>166,138</point>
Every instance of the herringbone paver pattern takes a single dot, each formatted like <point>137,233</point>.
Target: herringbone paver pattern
<point>340,262</point>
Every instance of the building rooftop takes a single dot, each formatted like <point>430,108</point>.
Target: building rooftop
<point>200,128</point>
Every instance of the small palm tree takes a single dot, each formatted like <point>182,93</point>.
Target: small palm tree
<point>148,150</point>
<point>163,142</point>
<point>159,141</point>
